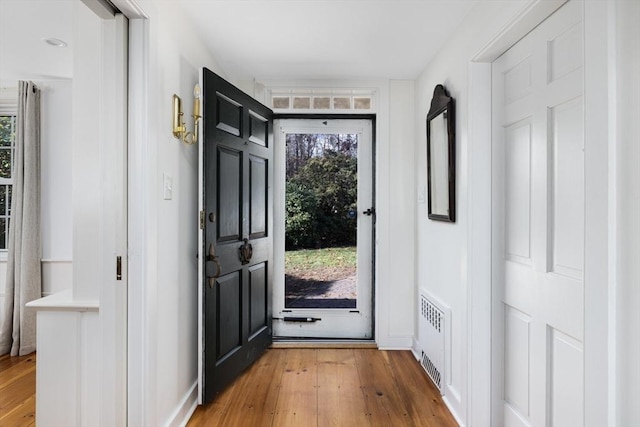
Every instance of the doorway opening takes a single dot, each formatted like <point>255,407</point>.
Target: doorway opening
<point>321,193</point>
<point>325,211</point>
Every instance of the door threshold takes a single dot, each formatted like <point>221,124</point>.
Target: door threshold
<point>322,343</point>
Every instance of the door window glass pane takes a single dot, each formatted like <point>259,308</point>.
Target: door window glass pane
<point>320,225</point>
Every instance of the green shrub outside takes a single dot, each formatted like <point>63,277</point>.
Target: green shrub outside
<point>319,198</point>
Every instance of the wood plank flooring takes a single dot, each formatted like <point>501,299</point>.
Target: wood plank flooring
<point>286,387</point>
<point>329,387</point>
<point>18,390</point>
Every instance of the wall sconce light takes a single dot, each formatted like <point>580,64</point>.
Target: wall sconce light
<point>179,128</point>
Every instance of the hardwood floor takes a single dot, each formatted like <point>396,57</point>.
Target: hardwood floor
<point>329,387</point>
<point>286,387</point>
<point>18,390</point>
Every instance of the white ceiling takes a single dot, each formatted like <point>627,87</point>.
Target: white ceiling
<point>263,39</point>
<point>325,39</point>
<point>23,26</point>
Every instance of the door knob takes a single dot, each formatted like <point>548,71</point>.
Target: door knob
<point>370,211</point>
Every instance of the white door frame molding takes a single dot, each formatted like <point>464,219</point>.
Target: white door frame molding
<point>113,294</point>
<point>479,286</point>
<point>138,328</point>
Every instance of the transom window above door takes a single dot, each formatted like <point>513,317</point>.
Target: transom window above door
<point>321,100</point>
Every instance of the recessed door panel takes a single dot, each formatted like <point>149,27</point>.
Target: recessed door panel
<point>229,174</point>
<point>258,190</point>
<point>258,129</point>
<point>517,81</point>
<point>565,53</point>
<point>518,191</point>
<point>567,196</point>
<point>567,380</point>
<point>229,313</point>
<point>516,359</point>
<point>258,298</point>
<point>228,115</point>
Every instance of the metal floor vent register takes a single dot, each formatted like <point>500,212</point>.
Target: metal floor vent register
<point>431,329</point>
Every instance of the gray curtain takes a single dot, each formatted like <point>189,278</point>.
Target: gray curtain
<point>24,279</point>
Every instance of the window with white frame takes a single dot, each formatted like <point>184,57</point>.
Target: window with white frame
<point>7,140</point>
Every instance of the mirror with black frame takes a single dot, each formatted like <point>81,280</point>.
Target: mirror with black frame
<point>441,157</point>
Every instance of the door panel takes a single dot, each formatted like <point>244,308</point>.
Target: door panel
<point>566,376</point>
<point>228,314</point>
<point>538,221</point>
<point>258,299</point>
<point>236,242</point>
<point>258,129</point>
<point>518,192</point>
<point>258,171</point>
<point>567,189</point>
<point>229,179</point>
<point>517,327</point>
<point>228,115</point>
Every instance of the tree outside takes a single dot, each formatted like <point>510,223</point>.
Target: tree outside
<point>321,190</point>
<point>7,136</point>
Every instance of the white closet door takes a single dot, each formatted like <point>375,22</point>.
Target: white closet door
<point>538,214</point>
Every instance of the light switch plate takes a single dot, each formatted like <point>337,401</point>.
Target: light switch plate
<point>167,185</point>
<point>422,197</point>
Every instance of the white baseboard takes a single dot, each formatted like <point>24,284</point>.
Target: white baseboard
<point>395,343</point>
<point>451,408</point>
<point>415,354</point>
<point>181,415</point>
<point>415,347</point>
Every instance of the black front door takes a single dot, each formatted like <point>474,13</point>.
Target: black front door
<point>237,163</point>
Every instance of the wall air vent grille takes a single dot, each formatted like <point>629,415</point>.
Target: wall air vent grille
<point>431,328</point>
<point>431,369</point>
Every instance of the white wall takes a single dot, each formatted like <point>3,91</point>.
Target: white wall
<point>86,152</point>
<point>396,263</point>
<point>56,208</point>
<point>627,128</point>
<point>163,241</point>
<point>443,252</point>
<point>56,187</point>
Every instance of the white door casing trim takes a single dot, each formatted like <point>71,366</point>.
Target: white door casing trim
<point>135,327</point>
<point>599,310</point>
<point>113,294</point>
<point>140,329</point>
